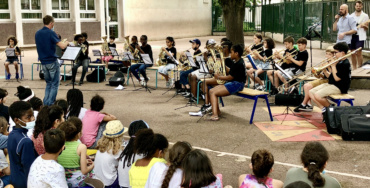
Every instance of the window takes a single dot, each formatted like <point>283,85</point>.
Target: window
<point>60,9</point>
<point>4,10</point>
<point>31,9</point>
<point>87,8</point>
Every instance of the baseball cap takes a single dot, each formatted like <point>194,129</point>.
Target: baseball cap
<point>196,41</point>
<point>211,41</point>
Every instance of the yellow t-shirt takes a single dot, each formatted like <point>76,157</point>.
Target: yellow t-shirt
<point>139,174</point>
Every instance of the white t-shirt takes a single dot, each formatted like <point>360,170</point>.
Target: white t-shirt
<point>123,176</point>
<point>105,167</point>
<point>46,173</point>
<point>157,174</point>
<point>361,32</point>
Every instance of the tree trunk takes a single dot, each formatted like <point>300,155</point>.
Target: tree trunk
<point>233,13</point>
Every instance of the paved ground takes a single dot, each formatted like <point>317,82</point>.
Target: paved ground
<point>232,135</point>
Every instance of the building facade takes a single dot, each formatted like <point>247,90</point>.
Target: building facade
<point>154,18</point>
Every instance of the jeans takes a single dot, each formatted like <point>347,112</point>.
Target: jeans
<point>51,74</point>
<point>85,66</point>
<point>101,129</point>
<point>139,68</point>
<point>184,76</point>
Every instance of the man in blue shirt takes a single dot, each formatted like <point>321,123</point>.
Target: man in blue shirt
<point>46,41</point>
<point>345,25</point>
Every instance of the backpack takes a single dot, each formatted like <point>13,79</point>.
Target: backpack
<point>93,77</point>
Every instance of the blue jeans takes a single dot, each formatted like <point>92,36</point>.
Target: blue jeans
<point>85,65</point>
<point>139,68</point>
<point>51,74</point>
<point>184,77</point>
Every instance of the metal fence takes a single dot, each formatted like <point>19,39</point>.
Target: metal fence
<point>295,17</point>
<point>252,20</point>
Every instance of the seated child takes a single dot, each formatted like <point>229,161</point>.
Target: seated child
<point>262,162</point>
<point>94,122</point>
<point>12,43</point>
<point>4,164</point>
<point>170,56</point>
<point>75,99</point>
<point>20,147</point>
<point>45,171</point>
<point>4,110</point>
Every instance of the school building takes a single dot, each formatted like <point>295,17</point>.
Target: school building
<point>155,18</point>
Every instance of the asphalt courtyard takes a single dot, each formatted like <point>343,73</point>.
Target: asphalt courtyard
<point>228,142</point>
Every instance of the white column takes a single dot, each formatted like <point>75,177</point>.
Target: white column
<point>120,11</point>
<point>46,7</point>
<point>18,21</point>
<point>76,14</point>
<point>101,13</point>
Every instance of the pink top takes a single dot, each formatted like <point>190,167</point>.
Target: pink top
<point>250,181</point>
<point>39,143</point>
<point>90,127</point>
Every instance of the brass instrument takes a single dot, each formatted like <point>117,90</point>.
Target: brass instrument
<point>259,50</point>
<point>161,59</point>
<point>83,48</point>
<point>211,61</point>
<point>220,68</point>
<point>273,55</point>
<point>283,60</point>
<point>104,46</point>
<point>126,45</point>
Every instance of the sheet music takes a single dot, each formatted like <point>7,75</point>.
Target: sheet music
<point>114,51</point>
<point>173,59</point>
<point>202,63</point>
<point>146,59</point>
<point>71,53</point>
<point>128,55</point>
<point>10,52</point>
<point>191,59</point>
<point>282,70</point>
<point>252,62</point>
<point>96,52</point>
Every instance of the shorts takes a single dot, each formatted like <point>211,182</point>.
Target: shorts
<point>107,58</point>
<point>234,87</point>
<point>11,60</point>
<point>318,82</point>
<point>289,71</point>
<point>164,69</point>
<point>262,65</point>
<point>325,90</point>
<point>200,75</point>
<point>356,43</point>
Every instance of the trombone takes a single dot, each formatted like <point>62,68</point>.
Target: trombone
<point>283,60</point>
<point>273,55</point>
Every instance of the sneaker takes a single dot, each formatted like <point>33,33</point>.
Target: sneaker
<point>16,76</point>
<point>206,108</point>
<point>106,71</point>
<point>8,76</point>
<point>172,81</point>
<point>261,88</point>
<point>181,91</point>
<point>80,83</point>
<point>192,100</point>
<point>298,108</point>
<point>168,84</point>
<point>188,95</point>
<point>144,84</point>
<point>96,183</point>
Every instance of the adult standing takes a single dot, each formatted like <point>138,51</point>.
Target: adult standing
<point>345,25</point>
<point>358,40</point>
<point>46,41</point>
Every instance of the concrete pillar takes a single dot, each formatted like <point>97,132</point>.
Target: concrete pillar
<point>18,22</point>
<point>100,11</point>
<point>76,13</point>
<point>120,10</point>
<point>46,7</point>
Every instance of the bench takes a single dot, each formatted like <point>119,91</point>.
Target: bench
<point>39,63</point>
<point>148,68</point>
<point>338,98</point>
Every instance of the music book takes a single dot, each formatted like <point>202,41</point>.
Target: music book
<point>146,59</point>
<point>252,62</point>
<point>202,63</point>
<point>128,55</point>
<point>10,52</point>
<point>173,59</point>
<point>191,59</point>
<point>96,52</point>
<point>282,70</point>
<point>71,53</point>
<point>114,51</point>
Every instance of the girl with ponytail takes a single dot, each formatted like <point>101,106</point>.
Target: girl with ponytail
<point>262,162</point>
<point>169,175</point>
<point>314,158</point>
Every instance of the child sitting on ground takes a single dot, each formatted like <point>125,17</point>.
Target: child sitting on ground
<point>128,156</point>
<point>45,171</point>
<point>94,122</point>
<point>262,162</point>
<point>20,147</point>
<point>4,166</point>
<point>74,158</point>
<point>169,175</point>
<point>75,99</point>
<point>152,146</point>
<point>4,110</point>
<point>109,149</point>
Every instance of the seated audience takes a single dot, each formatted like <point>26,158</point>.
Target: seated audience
<point>94,122</point>
<point>4,110</point>
<point>262,162</point>
<point>64,105</point>
<point>4,165</point>
<point>45,171</point>
<point>298,184</point>
<point>314,158</point>
<point>75,101</point>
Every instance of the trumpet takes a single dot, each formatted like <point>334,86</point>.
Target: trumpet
<point>283,60</point>
<point>245,51</point>
<point>273,55</point>
<point>259,50</point>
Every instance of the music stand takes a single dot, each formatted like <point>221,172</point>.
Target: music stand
<point>71,54</point>
<point>130,58</point>
<point>98,53</point>
<point>203,69</point>
<point>177,77</point>
<point>146,61</point>
<point>251,60</point>
<point>10,52</point>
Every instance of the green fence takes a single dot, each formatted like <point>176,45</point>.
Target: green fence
<point>293,18</point>
<point>252,20</point>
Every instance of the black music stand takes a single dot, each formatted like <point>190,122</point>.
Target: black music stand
<point>129,56</point>
<point>146,61</point>
<point>98,53</point>
<point>71,54</point>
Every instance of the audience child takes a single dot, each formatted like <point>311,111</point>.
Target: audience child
<point>36,104</point>
<point>170,55</point>
<point>12,43</point>
<point>262,162</point>
<point>153,147</point>
<point>49,118</point>
<point>74,158</point>
<point>4,165</point>
<point>64,105</point>
<point>314,158</point>
<point>163,175</point>
<point>24,93</point>
<point>20,147</point>
<point>298,184</point>
<point>75,101</point>
<point>4,110</point>
<point>45,171</point>
<point>109,149</point>
<point>128,156</point>
<point>4,135</point>
<point>94,122</point>
<point>198,171</point>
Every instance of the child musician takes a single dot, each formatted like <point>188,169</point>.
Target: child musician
<point>257,47</point>
<point>261,61</point>
<point>141,67</point>
<point>12,43</point>
<point>106,53</point>
<point>170,58</point>
<point>82,60</point>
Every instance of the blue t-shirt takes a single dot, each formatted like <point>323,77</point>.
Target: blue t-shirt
<point>46,41</point>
